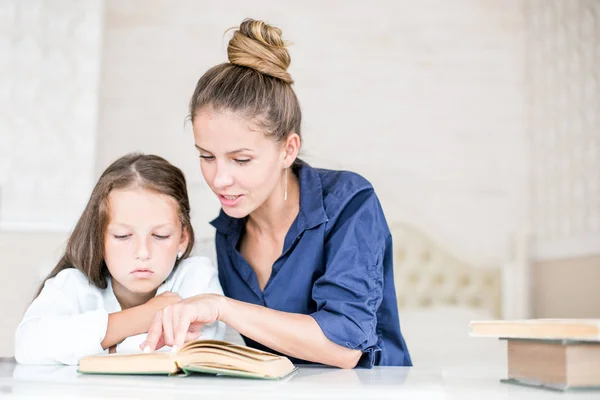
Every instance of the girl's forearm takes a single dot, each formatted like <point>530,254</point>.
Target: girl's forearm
<point>129,322</point>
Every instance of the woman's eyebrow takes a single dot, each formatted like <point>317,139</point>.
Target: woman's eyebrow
<point>229,152</point>
<point>240,150</point>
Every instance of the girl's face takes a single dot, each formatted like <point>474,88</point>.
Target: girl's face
<point>142,240</point>
<point>241,165</point>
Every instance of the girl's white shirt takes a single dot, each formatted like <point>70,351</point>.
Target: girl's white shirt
<point>68,320</point>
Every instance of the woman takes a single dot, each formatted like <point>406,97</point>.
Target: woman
<point>304,254</point>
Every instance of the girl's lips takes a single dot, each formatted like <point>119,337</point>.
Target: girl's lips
<point>142,273</point>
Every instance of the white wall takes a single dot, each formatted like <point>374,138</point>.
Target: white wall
<point>49,73</point>
<point>423,98</point>
<point>564,125</point>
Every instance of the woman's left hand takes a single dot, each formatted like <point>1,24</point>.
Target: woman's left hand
<point>180,323</point>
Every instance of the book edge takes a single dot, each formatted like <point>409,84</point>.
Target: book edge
<point>520,323</point>
<point>233,373</point>
<point>547,386</point>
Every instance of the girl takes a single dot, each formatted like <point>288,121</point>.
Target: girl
<point>126,259</point>
<point>304,254</point>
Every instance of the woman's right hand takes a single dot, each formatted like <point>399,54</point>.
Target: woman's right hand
<point>147,311</point>
<point>181,322</point>
<point>163,300</point>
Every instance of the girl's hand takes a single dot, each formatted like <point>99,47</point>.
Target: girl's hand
<point>181,322</point>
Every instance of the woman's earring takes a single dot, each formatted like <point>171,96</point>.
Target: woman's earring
<point>286,184</point>
<point>179,255</point>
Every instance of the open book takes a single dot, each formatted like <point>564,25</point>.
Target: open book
<point>200,356</point>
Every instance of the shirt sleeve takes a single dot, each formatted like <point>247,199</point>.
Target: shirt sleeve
<point>350,291</point>
<point>195,276</point>
<point>131,345</point>
<point>63,324</point>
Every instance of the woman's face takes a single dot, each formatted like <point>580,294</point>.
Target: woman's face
<point>240,164</point>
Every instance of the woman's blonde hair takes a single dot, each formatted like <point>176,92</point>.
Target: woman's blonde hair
<point>254,83</point>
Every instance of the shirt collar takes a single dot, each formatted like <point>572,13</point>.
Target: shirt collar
<point>312,210</point>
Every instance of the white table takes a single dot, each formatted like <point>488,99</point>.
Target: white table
<point>458,382</point>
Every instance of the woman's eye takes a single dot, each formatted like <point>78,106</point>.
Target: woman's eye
<point>162,237</point>
<point>121,237</point>
<point>242,160</point>
<point>207,158</point>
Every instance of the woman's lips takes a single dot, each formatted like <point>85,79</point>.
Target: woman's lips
<point>230,200</point>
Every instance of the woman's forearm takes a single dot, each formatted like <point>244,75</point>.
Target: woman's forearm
<point>297,335</point>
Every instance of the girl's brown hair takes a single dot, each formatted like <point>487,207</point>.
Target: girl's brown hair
<point>254,83</point>
<point>85,247</point>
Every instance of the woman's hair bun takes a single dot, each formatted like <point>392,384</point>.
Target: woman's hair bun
<point>259,46</point>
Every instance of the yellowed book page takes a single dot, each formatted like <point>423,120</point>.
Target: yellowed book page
<point>248,352</point>
<point>218,359</point>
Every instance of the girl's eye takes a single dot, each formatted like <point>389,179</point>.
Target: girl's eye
<point>161,237</point>
<point>207,158</point>
<point>121,237</point>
